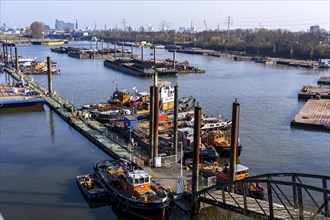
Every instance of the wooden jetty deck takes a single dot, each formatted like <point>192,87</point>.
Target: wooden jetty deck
<point>324,80</point>
<point>255,207</point>
<point>314,114</point>
<point>314,91</point>
<point>13,96</point>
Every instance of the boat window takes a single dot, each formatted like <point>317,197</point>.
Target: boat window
<point>136,181</point>
<point>141,180</point>
<point>146,180</point>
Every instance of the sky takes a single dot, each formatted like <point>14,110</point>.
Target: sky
<point>272,14</point>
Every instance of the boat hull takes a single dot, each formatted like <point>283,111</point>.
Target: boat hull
<point>224,152</point>
<point>155,209</point>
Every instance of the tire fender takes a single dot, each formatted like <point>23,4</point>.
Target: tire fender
<point>124,206</point>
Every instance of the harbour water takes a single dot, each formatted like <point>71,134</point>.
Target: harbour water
<point>41,154</point>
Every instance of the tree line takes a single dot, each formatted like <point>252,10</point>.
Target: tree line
<point>261,41</point>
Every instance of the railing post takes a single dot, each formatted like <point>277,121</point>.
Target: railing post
<point>294,190</point>
<point>223,194</point>
<point>300,203</point>
<point>325,198</point>
<point>270,200</point>
<point>245,194</point>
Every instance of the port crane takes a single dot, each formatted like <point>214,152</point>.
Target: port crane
<point>205,25</point>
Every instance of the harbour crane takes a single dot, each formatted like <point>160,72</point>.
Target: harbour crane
<point>205,25</point>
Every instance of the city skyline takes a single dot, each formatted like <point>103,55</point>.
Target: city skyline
<point>291,15</point>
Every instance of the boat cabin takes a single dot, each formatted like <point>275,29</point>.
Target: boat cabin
<point>138,185</point>
<point>121,97</point>
<point>166,96</point>
<point>216,138</point>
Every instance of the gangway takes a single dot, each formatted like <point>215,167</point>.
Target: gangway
<point>286,196</point>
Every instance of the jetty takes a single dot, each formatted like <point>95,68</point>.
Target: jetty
<point>314,92</point>
<point>314,114</point>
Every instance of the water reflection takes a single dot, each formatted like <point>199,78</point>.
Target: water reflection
<point>51,125</point>
<point>21,109</point>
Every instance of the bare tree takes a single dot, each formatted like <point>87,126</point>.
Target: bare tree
<point>37,29</point>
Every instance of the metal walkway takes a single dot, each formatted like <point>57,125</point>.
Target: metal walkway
<point>286,196</point>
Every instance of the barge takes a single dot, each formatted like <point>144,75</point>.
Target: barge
<point>138,68</point>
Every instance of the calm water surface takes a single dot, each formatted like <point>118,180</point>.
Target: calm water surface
<point>41,154</point>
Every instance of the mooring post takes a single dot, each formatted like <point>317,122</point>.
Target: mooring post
<point>91,45</point>
<point>102,44</point>
<point>197,129</point>
<point>234,140</point>
<point>7,53</point>
<point>49,69</point>
<point>176,106</point>
<point>115,50</point>
<point>142,52</point>
<point>154,55</point>
<point>151,125</point>
<point>16,59</point>
<point>156,120</point>
<point>174,59</point>
<point>3,52</point>
<point>132,54</point>
<point>11,54</point>
<point>122,51</point>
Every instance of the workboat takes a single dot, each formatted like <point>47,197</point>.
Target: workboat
<point>105,116</point>
<point>222,174</point>
<point>131,189</point>
<point>217,140</point>
<point>91,187</point>
<point>138,100</point>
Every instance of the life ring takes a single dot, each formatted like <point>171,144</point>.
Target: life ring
<point>113,197</point>
<point>125,206</point>
<point>215,164</point>
<point>118,202</point>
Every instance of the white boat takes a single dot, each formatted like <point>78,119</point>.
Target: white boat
<point>324,63</point>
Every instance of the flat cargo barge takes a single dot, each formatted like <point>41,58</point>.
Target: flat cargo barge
<point>314,92</point>
<point>138,68</point>
<point>314,115</point>
<point>12,96</point>
<point>324,80</point>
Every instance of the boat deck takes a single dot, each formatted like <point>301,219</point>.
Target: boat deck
<point>314,114</point>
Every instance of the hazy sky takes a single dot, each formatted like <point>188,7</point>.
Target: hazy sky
<point>292,15</point>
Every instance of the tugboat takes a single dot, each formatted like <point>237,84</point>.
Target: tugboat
<point>91,187</point>
<point>131,189</point>
<point>241,172</point>
<point>217,140</point>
